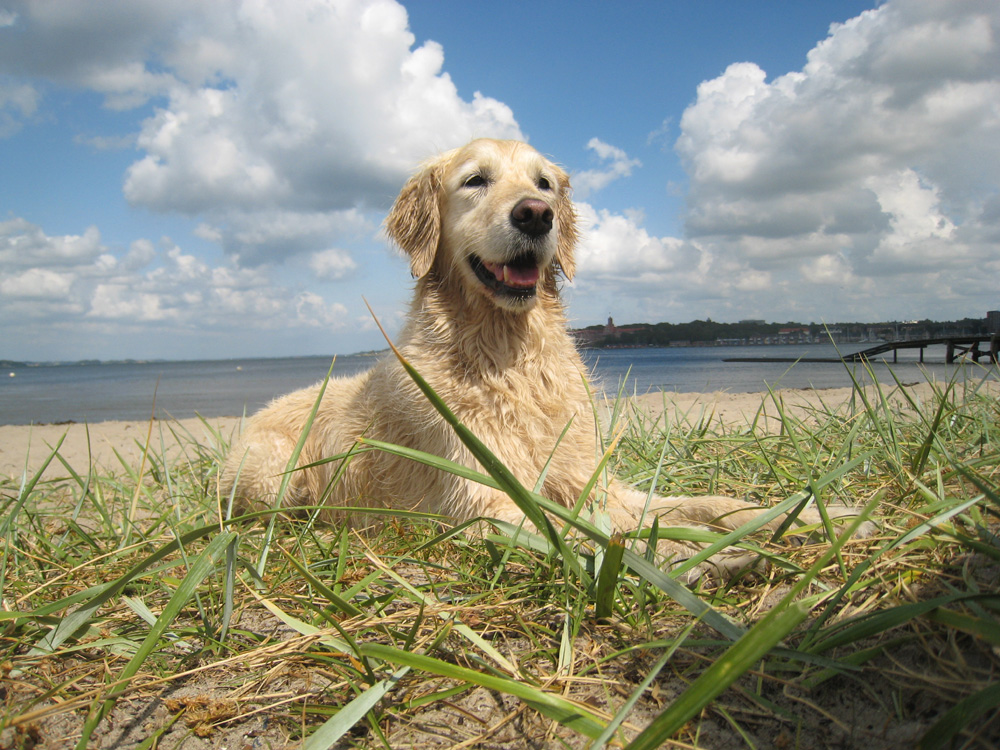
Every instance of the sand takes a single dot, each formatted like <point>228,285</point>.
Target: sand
<point>25,448</point>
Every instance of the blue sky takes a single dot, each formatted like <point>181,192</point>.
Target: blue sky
<point>192,180</point>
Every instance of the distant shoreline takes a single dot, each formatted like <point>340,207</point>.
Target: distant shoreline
<point>741,333</point>
<point>211,388</point>
<point>8,363</point>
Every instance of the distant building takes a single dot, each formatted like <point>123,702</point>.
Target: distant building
<point>794,336</point>
<point>993,321</point>
<point>588,336</point>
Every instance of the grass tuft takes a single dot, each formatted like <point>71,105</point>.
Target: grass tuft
<point>136,613</point>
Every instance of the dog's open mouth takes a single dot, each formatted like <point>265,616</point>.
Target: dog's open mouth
<point>516,279</point>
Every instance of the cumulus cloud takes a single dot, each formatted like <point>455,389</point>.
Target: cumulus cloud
<point>272,235</point>
<point>314,311</point>
<point>23,244</point>
<point>657,277</point>
<point>263,110</point>
<point>878,158</point>
<point>332,264</point>
<point>617,164</point>
<point>121,302</point>
<point>616,245</point>
<point>287,128</point>
<point>17,103</point>
<point>76,280</point>
<point>874,165</point>
<point>36,282</point>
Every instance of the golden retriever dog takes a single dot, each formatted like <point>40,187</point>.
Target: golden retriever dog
<point>489,230</point>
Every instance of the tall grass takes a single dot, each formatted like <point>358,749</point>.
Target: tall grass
<point>135,613</point>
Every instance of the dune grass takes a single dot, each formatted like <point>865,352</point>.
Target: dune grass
<point>135,613</point>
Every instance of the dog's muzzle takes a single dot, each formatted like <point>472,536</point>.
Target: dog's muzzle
<point>517,279</point>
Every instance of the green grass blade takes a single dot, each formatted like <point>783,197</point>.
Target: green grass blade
<point>449,617</point>
<point>436,462</point>
<point>289,468</point>
<point>607,578</point>
<point>99,595</point>
<point>27,486</point>
<point>624,711</point>
<point>960,716</point>
<point>746,652</point>
<point>567,713</point>
<point>730,538</point>
<point>334,598</point>
<point>304,628</point>
<point>200,568</point>
<point>657,577</point>
<point>509,484</point>
<point>330,732</point>
<point>873,624</point>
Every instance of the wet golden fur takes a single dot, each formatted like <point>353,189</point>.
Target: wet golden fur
<point>504,363</point>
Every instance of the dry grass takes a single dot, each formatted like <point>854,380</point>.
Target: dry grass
<point>135,615</point>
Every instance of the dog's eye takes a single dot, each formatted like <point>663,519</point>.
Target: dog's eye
<point>475,181</point>
<point>544,184</point>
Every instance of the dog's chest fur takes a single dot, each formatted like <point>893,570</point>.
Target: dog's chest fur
<point>516,381</point>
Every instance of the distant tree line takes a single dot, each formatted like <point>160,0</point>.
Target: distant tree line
<point>754,331</point>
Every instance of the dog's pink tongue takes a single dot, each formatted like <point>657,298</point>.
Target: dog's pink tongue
<point>518,278</point>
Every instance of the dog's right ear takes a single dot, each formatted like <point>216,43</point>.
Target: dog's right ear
<point>568,232</point>
<point>414,223</point>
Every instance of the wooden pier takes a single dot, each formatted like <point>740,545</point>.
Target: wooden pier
<point>956,348</point>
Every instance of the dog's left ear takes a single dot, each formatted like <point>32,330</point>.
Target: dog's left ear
<point>414,223</point>
<point>568,234</point>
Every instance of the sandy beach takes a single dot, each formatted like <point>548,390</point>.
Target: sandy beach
<point>25,448</point>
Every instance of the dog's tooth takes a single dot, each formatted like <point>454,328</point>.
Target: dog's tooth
<point>506,274</point>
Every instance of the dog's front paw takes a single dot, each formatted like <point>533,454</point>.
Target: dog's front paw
<point>721,567</point>
<point>841,515</point>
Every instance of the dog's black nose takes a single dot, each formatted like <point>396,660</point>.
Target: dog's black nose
<point>532,216</point>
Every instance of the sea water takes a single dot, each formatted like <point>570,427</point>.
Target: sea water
<point>136,391</point>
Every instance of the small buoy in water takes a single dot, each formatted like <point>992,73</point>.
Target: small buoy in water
<point>13,374</point>
<point>239,367</point>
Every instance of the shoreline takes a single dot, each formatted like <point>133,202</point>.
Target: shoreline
<point>24,448</point>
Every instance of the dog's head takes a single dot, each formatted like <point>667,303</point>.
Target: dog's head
<point>495,213</point>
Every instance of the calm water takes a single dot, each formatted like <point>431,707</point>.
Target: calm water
<point>95,393</point>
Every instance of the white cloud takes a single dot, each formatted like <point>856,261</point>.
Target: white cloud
<point>645,277</point>
<point>828,269</point>
<point>618,165</point>
<point>36,282</point>
<point>914,206</point>
<point>256,237</point>
<point>24,244</point>
<point>120,301</point>
<point>332,264</point>
<point>313,311</point>
<point>878,158</point>
<point>616,245</point>
<point>306,106</point>
<point>17,103</point>
<point>264,110</point>
<point>140,254</point>
<point>75,280</point>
